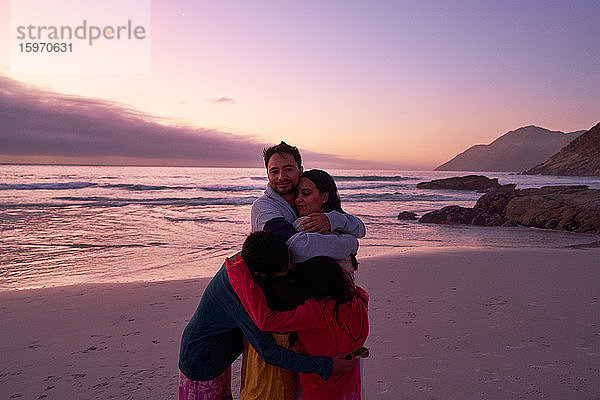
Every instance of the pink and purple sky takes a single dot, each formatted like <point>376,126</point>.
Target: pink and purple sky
<point>405,83</point>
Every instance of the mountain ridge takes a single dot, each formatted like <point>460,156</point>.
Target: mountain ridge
<point>515,151</point>
<point>581,157</point>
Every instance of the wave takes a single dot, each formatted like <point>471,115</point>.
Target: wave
<point>361,185</point>
<point>374,197</point>
<point>138,187</point>
<point>123,186</point>
<point>374,178</point>
<point>205,220</point>
<point>96,245</point>
<point>164,201</point>
<point>171,219</point>
<point>365,178</point>
<point>46,186</point>
<point>349,183</point>
<point>218,188</point>
<point>211,188</point>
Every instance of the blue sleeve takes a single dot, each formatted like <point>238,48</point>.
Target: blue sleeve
<point>280,227</point>
<point>271,353</point>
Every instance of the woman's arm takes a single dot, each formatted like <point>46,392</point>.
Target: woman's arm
<point>346,223</point>
<point>308,245</point>
<point>333,221</point>
<point>271,353</point>
<point>303,317</point>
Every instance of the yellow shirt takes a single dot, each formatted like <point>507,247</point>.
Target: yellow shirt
<point>264,381</point>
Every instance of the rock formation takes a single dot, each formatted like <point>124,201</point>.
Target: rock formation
<point>469,182</point>
<point>515,151</point>
<point>581,157</point>
<point>571,208</point>
<point>407,216</point>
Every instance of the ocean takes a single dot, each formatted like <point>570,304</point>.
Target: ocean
<point>63,225</point>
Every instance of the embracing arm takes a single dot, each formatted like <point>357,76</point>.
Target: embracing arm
<point>308,245</point>
<point>280,227</point>
<point>271,353</point>
<point>303,317</point>
<point>346,223</point>
<point>305,245</point>
<point>332,221</point>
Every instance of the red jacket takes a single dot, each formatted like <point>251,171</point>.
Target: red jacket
<point>319,332</point>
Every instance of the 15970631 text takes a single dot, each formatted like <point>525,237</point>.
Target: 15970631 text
<point>46,47</point>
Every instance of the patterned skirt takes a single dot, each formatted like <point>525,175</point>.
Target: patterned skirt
<point>215,389</point>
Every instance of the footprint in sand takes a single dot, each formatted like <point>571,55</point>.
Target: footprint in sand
<point>495,302</point>
<point>411,317</point>
<point>89,349</point>
<point>136,333</point>
<point>381,387</point>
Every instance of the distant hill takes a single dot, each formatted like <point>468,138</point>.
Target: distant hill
<point>516,151</point>
<point>581,157</point>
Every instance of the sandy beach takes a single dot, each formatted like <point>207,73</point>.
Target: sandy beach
<point>445,324</point>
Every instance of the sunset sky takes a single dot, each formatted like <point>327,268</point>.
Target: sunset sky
<point>404,83</point>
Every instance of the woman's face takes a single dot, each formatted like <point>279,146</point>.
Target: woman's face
<point>309,200</point>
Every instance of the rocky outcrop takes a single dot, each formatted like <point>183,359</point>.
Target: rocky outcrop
<point>514,151</point>
<point>453,215</point>
<point>478,183</point>
<point>581,157</point>
<point>407,216</point>
<point>571,208</point>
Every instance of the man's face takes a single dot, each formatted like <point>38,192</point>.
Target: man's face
<point>283,173</point>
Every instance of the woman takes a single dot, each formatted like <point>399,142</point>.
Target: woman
<point>342,325</point>
<point>317,193</point>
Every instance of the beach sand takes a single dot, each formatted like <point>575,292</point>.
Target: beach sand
<point>445,324</point>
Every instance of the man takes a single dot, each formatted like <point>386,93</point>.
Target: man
<point>213,338</point>
<point>275,212</point>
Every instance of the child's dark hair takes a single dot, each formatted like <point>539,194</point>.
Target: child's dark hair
<point>265,253</point>
<point>322,278</point>
<point>282,147</point>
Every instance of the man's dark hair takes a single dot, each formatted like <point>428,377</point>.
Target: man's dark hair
<point>282,147</point>
<point>265,253</point>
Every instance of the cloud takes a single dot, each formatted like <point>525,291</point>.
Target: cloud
<point>43,126</point>
<point>38,122</point>
<point>222,100</point>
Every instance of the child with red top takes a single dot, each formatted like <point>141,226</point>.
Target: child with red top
<point>332,320</point>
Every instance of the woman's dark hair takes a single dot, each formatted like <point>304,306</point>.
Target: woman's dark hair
<point>322,277</point>
<point>265,253</point>
<point>325,183</point>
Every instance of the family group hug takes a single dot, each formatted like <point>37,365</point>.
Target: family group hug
<point>287,301</point>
